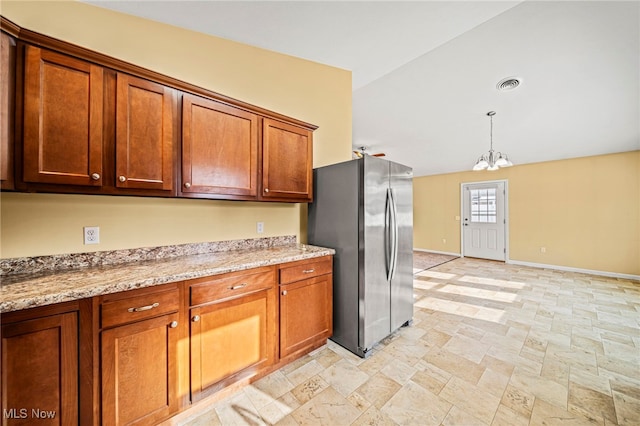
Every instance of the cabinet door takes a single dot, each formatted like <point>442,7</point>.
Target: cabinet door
<point>40,371</point>
<point>287,162</point>
<point>140,372</point>
<point>62,119</point>
<point>231,341</point>
<point>306,313</point>
<point>144,134</point>
<point>219,149</point>
<point>7,108</point>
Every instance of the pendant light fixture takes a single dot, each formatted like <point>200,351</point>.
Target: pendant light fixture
<point>492,160</point>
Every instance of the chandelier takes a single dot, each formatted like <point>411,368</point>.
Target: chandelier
<point>492,160</point>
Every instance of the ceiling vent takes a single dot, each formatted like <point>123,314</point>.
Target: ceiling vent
<point>508,83</point>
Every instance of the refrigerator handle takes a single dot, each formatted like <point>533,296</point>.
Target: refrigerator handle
<point>394,241</point>
<point>388,240</point>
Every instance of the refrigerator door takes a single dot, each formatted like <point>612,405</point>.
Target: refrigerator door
<point>401,184</point>
<point>374,305</point>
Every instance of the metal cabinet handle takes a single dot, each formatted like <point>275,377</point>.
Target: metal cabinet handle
<point>266,190</point>
<point>187,185</point>
<point>236,287</point>
<point>122,179</point>
<point>195,318</point>
<point>173,324</point>
<point>95,176</point>
<point>284,292</point>
<point>144,308</point>
<point>308,271</point>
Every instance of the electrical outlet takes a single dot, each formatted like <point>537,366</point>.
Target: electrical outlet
<point>91,234</point>
<point>259,227</point>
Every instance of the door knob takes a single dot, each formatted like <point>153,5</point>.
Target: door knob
<point>95,176</point>
<point>173,324</point>
<point>122,179</point>
<point>187,185</point>
<point>195,318</point>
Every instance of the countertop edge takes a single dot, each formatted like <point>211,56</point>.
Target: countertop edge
<point>72,294</point>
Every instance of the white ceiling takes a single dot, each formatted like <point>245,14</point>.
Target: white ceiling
<point>425,72</point>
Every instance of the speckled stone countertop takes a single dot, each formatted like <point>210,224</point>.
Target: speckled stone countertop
<point>32,289</point>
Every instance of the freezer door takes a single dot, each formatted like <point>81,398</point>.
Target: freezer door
<point>401,184</point>
<point>375,319</point>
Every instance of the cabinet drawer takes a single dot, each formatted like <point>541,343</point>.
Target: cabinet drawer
<point>309,269</point>
<point>215,289</point>
<point>140,307</point>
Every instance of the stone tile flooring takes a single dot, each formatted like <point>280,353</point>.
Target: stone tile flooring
<point>490,344</point>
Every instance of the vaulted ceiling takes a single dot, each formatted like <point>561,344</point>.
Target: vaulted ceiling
<point>425,72</point>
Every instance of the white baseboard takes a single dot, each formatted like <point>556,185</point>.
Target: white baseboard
<point>545,266</point>
<point>571,269</point>
<point>436,252</point>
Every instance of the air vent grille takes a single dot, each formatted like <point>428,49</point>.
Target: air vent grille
<point>508,83</point>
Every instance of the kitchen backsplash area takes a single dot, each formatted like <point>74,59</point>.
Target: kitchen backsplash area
<point>78,260</point>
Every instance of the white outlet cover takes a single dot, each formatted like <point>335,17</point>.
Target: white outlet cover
<point>259,227</point>
<point>91,234</point>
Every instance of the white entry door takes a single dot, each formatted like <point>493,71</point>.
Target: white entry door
<point>484,220</point>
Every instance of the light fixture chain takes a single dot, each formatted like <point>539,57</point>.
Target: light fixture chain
<point>491,131</point>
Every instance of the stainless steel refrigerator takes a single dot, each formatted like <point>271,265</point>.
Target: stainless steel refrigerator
<point>364,210</point>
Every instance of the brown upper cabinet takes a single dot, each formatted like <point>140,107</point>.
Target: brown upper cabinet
<point>90,124</point>
<point>7,108</point>
<point>219,149</point>
<point>287,162</point>
<point>145,117</point>
<point>63,106</point>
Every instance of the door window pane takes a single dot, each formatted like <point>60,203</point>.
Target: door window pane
<point>483,205</point>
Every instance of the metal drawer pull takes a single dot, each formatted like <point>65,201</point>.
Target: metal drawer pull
<point>95,176</point>
<point>235,287</point>
<point>173,324</point>
<point>308,271</point>
<point>144,308</point>
<point>284,292</point>
<point>195,318</point>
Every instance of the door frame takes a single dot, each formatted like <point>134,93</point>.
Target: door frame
<point>506,213</point>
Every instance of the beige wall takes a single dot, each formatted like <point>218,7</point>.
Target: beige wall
<point>38,224</point>
<point>585,211</point>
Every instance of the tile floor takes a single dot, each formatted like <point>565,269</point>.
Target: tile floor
<point>490,344</point>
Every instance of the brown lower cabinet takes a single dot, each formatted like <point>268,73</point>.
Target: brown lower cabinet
<point>139,355</point>
<point>232,331</point>
<point>306,305</point>
<point>140,371</point>
<point>150,353</point>
<point>40,368</point>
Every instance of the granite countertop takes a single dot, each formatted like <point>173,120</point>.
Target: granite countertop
<point>29,290</point>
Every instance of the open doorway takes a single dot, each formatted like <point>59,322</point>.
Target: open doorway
<point>484,220</point>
